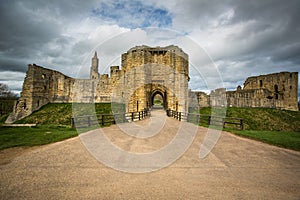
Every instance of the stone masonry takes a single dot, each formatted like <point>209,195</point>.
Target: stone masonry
<point>145,73</point>
<point>278,90</point>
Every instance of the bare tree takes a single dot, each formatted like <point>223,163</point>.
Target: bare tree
<point>5,92</point>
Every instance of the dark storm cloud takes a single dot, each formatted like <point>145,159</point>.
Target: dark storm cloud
<point>30,28</point>
<point>22,35</point>
<point>250,37</point>
<point>279,19</point>
<point>268,27</point>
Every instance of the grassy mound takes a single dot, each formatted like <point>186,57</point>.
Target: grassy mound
<point>272,126</point>
<point>61,113</point>
<point>262,118</point>
<point>39,135</point>
<point>54,124</point>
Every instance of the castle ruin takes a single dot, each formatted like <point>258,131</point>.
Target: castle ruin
<point>146,72</point>
<point>278,90</point>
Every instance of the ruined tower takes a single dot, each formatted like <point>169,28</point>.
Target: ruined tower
<point>94,68</point>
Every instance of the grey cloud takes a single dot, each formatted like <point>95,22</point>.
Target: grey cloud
<point>34,31</point>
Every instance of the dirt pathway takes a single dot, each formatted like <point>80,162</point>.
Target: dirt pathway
<point>237,168</point>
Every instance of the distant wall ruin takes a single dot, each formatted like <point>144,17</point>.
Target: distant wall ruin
<point>278,90</point>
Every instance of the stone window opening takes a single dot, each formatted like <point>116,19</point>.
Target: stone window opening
<point>276,91</point>
<point>43,76</point>
<point>24,104</point>
<point>260,83</point>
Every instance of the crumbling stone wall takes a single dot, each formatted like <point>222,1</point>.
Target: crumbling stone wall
<point>278,90</point>
<point>40,87</point>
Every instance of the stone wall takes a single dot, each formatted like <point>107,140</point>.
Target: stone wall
<point>278,90</point>
<point>41,86</point>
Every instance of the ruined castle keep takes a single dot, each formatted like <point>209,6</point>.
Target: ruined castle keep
<point>146,72</point>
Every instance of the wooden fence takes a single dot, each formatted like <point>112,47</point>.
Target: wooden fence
<point>108,119</point>
<point>207,119</point>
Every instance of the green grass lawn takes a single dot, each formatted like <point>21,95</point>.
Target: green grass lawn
<point>286,139</point>
<point>54,124</point>
<point>272,126</point>
<point>61,113</point>
<point>39,135</point>
<point>261,118</point>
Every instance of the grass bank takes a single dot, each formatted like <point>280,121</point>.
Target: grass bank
<point>261,118</point>
<point>39,135</point>
<point>61,113</point>
<point>286,139</point>
<point>276,127</point>
<point>53,124</point>
<point>272,126</point>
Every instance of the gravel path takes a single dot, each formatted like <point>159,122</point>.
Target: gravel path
<point>237,168</point>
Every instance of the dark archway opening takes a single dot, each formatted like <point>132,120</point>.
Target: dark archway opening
<point>158,100</point>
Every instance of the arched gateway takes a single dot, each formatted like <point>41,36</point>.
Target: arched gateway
<point>148,71</point>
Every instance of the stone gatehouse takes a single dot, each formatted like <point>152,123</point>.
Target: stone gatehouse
<point>146,72</point>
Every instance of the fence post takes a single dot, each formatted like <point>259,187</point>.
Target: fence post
<point>179,116</point>
<point>132,116</point>
<point>72,122</point>
<point>139,115</point>
<point>223,122</point>
<point>102,120</point>
<point>241,124</point>
<point>89,121</point>
<point>124,117</point>
<point>209,119</point>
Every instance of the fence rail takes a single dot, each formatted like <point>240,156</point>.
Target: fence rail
<point>107,119</point>
<point>207,119</point>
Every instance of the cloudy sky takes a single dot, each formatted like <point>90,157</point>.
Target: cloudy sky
<point>242,38</point>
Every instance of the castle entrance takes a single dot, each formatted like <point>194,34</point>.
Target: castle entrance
<point>158,99</point>
<point>152,77</point>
